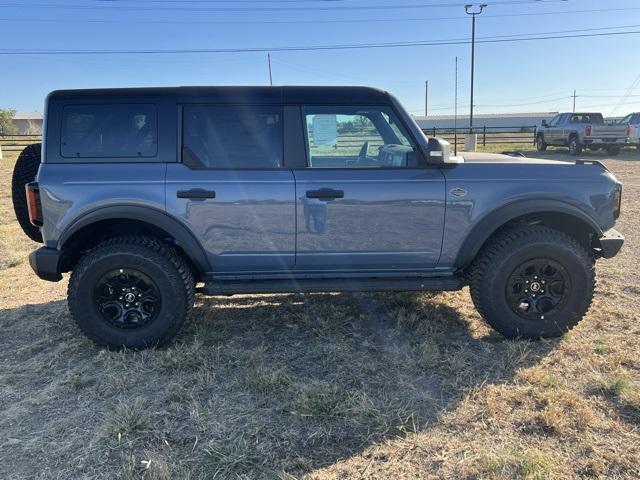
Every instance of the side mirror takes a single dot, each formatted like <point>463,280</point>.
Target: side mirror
<point>544,123</point>
<point>439,152</point>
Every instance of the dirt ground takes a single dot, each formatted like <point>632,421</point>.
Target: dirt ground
<point>326,386</point>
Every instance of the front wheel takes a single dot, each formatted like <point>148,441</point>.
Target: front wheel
<point>132,292</point>
<point>533,282</point>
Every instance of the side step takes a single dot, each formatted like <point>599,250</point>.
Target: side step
<point>230,287</point>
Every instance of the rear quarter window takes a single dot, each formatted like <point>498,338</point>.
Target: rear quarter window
<point>109,131</point>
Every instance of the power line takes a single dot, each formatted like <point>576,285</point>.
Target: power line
<point>303,21</point>
<point>419,43</point>
<point>264,9</point>
<point>607,96</point>
<point>628,93</point>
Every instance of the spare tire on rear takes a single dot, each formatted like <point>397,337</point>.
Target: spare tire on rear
<point>24,172</point>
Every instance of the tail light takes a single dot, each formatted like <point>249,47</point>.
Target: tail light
<point>628,130</point>
<point>617,199</point>
<point>33,203</point>
<point>587,130</point>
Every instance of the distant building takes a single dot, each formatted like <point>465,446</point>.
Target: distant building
<point>492,120</point>
<point>28,123</point>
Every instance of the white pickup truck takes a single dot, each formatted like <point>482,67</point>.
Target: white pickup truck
<point>579,131</point>
<point>632,124</point>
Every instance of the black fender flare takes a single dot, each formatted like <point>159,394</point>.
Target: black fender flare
<point>183,237</point>
<point>491,222</point>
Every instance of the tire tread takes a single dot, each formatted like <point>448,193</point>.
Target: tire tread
<point>131,245</point>
<point>25,171</point>
<point>499,245</point>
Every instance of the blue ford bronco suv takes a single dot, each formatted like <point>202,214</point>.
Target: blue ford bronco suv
<point>149,196</point>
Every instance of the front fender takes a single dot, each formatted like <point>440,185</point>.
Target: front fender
<point>489,223</point>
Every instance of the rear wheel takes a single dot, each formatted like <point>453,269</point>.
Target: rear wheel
<point>25,171</point>
<point>541,145</point>
<point>133,292</point>
<point>574,146</point>
<point>533,282</point>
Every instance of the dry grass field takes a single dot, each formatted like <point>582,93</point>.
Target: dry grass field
<point>323,386</point>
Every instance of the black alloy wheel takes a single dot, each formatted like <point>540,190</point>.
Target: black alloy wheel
<point>127,298</point>
<point>538,288</point>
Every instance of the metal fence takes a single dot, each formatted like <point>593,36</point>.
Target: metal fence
<point>486,135</point>
<point>17,142</point>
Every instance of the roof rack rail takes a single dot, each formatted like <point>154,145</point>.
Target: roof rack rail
<point>592,162</point>
<point>514,153</point>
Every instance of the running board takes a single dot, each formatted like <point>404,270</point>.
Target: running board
<point>228,287</point>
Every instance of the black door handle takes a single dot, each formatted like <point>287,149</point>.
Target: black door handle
<point>196,194</point>
<point>325,194</point>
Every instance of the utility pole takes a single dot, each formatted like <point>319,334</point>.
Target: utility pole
<point>455,114</point>
<point>270,77</point>
<point>468,9</point>
<point>574,101</point>
<point>426,98</point>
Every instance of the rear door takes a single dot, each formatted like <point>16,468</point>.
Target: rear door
<point>366,202</point>
<point>231,189</point>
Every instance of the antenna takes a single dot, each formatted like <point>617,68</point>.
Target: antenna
<point>270,77</point>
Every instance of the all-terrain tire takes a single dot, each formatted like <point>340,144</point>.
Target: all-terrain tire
<point>169,272</point>
<point>496,264</point>
<point>574,145</point>
<point>24,172</point>
<point>541,145</point>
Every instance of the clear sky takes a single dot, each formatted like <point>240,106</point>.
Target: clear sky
<point>510,77</point>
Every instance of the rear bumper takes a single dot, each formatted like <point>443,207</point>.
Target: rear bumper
<point>604,142</point>
<point>46,263</point>
<point>611,243</point>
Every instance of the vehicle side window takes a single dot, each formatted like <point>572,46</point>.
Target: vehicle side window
<point>554,121</point>
<point>232,136</point>
<point>356,137</point>
<point>109,131</point>
<point>626,119</point>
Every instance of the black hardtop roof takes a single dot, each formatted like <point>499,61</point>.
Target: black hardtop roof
<point>247,94</point>
<point>580,113</point>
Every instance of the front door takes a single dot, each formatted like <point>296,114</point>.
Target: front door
<point>231,189</point>
<point>552,134</point>
<point>364,202</point>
